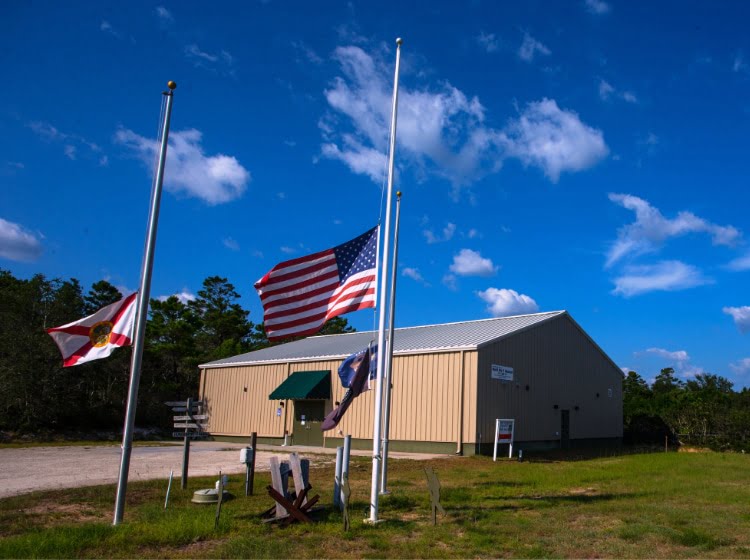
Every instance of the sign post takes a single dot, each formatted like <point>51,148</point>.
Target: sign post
<point>188,421</point>
<point>504,433</point>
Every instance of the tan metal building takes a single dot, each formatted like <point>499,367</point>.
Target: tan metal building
<point>450,383</point>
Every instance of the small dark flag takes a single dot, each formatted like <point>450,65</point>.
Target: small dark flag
<point>355,373</point>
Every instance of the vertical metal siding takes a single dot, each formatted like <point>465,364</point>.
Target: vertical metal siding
<point>562,367</point>
<point>425,400</point>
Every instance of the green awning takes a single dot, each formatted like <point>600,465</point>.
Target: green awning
<point>304,385</point>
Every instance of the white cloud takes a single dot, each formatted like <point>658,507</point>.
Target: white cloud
<point>163,14</point>
<point>607,90</point>
<point>663,276</point>
<point>288,250</point>
<point>19,244</point>
<point>741,316</point>
<point>307,52</point>
<point>192,51</point>
<point>740,263</point>
<point>447,234</point>
<point>70,151</point>
<point>360,159</point>
<point>106,27</point>
<point>443,132</point>
<point>222,61</point>
<point>530,47</point>
<point>231,244</point>
<point>504,302</point>
<point>488,41</point>
<point>678,359</point>
<point>214,179</point>
<point>71,142</point>
<point>597,7</point>
<point>184,296</point>
<point>554,139</point>
<point>677,356</point>
<point>471,263</point>
<point>741,367</point>
<point>651,229</point>
<point>451,282</point>
<point>739,64</point>
<point>414,274</point>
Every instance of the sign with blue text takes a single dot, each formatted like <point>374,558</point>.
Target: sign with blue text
<point>503,373</point>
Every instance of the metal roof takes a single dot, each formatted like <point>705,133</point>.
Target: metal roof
<point>466,335</point>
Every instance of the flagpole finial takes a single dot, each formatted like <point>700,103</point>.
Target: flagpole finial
<point>398,194</point>
<point>399,41</point>
<point>171,85</point>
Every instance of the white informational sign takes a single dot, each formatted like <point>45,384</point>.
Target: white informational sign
<point>503,373</point>
<point>505,429</point>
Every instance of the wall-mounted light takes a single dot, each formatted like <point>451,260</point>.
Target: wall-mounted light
<point>281,403</point>
<point>244,389</point>
<point>555,406</point>
<point>575,407</point>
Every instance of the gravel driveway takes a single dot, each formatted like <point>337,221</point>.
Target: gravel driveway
<point>28,469</point>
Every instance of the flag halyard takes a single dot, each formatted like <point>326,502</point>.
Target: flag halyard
<point>301,294</point>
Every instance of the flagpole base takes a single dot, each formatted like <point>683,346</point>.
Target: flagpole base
<point>369,521</point>
<point>385,492</point>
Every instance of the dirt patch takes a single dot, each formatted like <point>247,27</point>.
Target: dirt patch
<point>583,492</point>
<point>70,512</point>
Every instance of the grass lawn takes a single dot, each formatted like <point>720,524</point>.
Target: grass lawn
<point>661,505</point>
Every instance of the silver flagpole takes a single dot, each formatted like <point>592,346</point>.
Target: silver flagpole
<point>376,428</point>
<point>388,377</point>
<point>140,318</point>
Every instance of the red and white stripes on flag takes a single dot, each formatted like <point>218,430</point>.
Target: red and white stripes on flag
<point>97,335</point>
<point>300,295</point>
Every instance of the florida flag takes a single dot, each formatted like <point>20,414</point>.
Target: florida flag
<point>97,335</point>
<point>300,295</point>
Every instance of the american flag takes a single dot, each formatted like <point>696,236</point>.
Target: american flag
<point>300,295</point>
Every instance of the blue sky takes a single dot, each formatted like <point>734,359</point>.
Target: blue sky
<point>587,155</point>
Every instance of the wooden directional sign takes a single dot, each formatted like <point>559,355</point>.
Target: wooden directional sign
<point>191,417</point>
<point>192,425</point>
<point>191,435</point>
<point>183,403</point>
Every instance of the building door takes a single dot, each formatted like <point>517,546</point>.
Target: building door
<point>308,417</point>
<point>564,429</point>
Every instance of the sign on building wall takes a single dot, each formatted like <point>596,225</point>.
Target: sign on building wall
<point>503,373</point>
<point>505,429</point>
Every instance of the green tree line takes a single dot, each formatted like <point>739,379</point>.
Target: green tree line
<point>703,411</point>
<point>38,395</point>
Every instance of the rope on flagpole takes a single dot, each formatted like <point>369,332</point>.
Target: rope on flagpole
<point>383,186</point>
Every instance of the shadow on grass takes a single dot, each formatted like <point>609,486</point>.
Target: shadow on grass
<point>518,503</point>
<point>496,483</point>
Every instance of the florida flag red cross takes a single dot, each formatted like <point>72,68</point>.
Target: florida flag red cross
<point>97,335</point>
<point>300,295</point>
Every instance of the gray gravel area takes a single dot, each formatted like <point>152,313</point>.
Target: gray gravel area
<point>24,470</point>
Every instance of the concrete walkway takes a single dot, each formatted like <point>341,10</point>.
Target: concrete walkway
<point>28,469</point>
